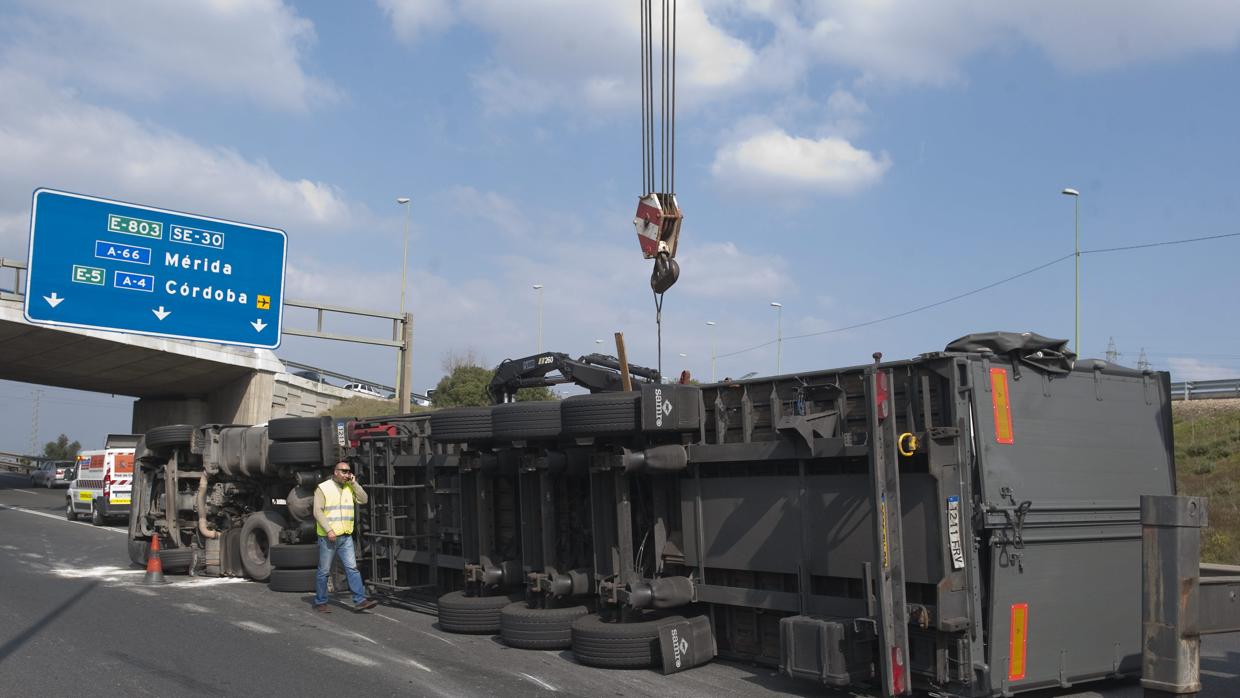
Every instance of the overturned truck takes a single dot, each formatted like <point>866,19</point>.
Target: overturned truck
<point>966,522</point>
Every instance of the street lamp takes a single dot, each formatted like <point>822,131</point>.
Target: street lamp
<point>539,288</point>
<point>403,368</point>
<point>1076,215</point>
<point>711,325</point>
<point>779,336</point>
<point>404,255</point>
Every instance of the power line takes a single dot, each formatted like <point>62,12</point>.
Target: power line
<point>975,291</point>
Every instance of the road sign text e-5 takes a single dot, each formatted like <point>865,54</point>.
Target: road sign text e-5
<point>89,275</point>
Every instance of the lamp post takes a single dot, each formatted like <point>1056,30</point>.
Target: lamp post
<point>779,334</point>
<point>711,325</point>
<point>1076,215</point>
<point>539,288</point>
<point>403,368</point>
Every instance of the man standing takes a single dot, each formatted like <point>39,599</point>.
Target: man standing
<point>333,517</point>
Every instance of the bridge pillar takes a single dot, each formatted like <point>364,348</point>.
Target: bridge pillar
<point>246,400</point>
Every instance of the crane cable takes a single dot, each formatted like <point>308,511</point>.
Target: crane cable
<point>666,180</point>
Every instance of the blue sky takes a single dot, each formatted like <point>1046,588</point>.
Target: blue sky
<point>851,160</point>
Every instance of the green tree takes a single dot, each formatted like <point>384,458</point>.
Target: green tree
<point>61,448</point>
<point>465,384</point>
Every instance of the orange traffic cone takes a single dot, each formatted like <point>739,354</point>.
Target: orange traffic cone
<point>154,568</point>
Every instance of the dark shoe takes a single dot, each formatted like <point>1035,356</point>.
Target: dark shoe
<point>322,608</point>
<point>368,603</point>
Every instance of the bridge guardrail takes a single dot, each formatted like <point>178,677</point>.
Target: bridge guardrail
<point>1206,390</point>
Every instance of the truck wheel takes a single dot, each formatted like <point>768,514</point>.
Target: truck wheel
<point>69,512</point>
<point>160,440</point>
<point>602,414</point>
<point>176,560</point>
<point>538,628</point>
<point>260,531</point>
<point>526,420</point>
<point>297,428</point>
<point>474,615</point>
<point>295,453</point>
<point>619,645</point>
<point>291,580</point>
<point>461,424</point>
<point>138,550</point>
<point>295,557</point>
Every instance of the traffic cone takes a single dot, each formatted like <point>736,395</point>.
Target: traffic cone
<point>154,568</point>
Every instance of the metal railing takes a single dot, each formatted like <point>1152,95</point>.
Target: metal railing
<point>1206,390</point>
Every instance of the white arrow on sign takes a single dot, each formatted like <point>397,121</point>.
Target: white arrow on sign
<point>53,300</point>
<point>161,313</point>
<point>259,325</point>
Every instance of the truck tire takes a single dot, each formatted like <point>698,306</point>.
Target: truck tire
<point>296,429</point>
<point>473,615</point>
<point>461,424</point>
<point>260,531</point>
<point>602,414</point>
<point>291,580</point>
<point>138,550</point>
<point>160,440</point>
<point>69,512</point>
<point>176,560</point>
<point>619,645</point>
<point>526,420</point>
<point>296,453</point>
<point>538,628</point>
<point>294,557</point>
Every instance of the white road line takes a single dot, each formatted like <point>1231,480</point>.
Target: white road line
<point>62,519</point>
<point>346,656</point>
<point>194,608</point>
<point>386,617</point>
<point>141,592</point>
<point>256,627</point>
<point>540,682</point>
<point>418,665</point>
<point>437,637</point>
<point>25,491</point>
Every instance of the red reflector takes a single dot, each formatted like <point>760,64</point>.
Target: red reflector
<point>897,671</point>
<point>882,399</point>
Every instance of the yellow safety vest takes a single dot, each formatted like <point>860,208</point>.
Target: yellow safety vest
<point>337,507</point>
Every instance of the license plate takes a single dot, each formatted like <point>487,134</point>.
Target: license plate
<point>84,496</point>
<point>120,500</point>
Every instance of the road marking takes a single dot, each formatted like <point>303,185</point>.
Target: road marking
<point>417,664</point>
<point>101,572</point>
<point>34,555</point>
<point>540,682</point>
<point>346,656</point>
<point>62,519</point>
<point>437,637</point>
<point>386,617</point>
<point>25,491</point>
<point>256,627</point>
<point>141,592</point>
<point>194,608</point>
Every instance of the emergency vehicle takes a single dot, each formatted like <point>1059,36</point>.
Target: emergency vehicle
<point>101,490</point>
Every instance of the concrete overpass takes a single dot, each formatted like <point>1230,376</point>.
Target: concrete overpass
<point>175,381</point>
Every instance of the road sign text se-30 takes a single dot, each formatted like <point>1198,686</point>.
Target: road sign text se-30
<point>109,265</point>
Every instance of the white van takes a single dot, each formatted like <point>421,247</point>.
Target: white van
<point>102,487</point>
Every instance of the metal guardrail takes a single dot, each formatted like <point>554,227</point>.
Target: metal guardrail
<point>1206,390</point>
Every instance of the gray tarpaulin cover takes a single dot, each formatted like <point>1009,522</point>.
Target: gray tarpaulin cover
<point>1033,349</point>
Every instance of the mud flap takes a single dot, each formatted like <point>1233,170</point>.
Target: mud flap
<point>686,644</point>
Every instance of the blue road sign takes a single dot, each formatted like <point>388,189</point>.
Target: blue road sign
<point>110,265</point>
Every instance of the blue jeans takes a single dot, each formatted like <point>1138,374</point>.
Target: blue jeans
<point>327,550</point>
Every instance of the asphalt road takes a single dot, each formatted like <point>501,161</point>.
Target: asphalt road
<point>74,621</point>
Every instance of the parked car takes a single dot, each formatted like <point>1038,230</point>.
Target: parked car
<point>309,375</point>
<point>366,389</point>
<point>52,474</point>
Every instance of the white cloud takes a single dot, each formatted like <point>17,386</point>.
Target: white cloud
<point>1187,369</point>
<point>143,49</point>
<point>411,19</point>
<point>722,271</point>
<point>50,138</point>
<point>777,162</point>
<point>576,54</point>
